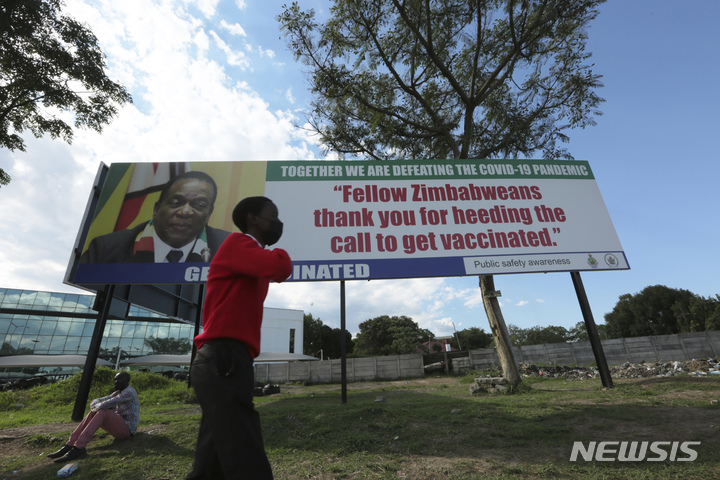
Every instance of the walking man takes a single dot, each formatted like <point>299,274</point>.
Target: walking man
<point>230,443</point>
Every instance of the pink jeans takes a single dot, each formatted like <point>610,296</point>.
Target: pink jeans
<point>108,420</point>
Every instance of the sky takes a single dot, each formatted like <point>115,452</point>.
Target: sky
<point>213,80</point>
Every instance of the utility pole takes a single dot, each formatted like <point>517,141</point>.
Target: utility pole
<point>499,330</point>
<point>457,337</point>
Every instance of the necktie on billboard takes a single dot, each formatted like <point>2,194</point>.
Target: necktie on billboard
<point>174,256</point>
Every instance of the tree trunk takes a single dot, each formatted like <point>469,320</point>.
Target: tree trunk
<point>499,330</point>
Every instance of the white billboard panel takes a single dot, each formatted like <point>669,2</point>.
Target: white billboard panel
<point>442,218</point>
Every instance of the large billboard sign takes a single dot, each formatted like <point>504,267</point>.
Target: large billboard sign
<point>357,220</point>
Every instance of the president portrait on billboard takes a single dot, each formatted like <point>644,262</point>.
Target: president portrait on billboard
<point>177,232</point>
<point>168,214</point>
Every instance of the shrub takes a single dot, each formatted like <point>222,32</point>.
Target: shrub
<point>65,391</point>
<point>144,381</point>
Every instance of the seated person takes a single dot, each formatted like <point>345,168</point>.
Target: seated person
<point>118,414</point>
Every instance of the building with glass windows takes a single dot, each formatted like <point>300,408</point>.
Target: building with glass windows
<point>50,323</point>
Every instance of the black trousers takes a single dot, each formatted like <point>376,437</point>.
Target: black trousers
<point>230,443</point>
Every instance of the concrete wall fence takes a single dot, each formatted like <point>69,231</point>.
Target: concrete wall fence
<point>661,348</point>
<point>329,371</point>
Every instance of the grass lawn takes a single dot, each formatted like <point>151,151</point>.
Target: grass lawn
<point>427,428</point>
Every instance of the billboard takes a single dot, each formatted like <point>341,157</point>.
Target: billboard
<point>359,219</point>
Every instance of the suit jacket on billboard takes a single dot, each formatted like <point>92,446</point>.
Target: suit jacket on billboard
<point>117,247</point>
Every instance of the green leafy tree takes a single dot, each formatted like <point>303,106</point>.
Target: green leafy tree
<point>399,79</point>
<point>518,335</point>
<point>387,335</point>
<point>50,63</point>
<point>471,338</point>
<point>579,332</point>
<point>699,314</point>
<point>538,335</point>
<point>312,334</point>
<point>650,312</point>
<point>169,346</point>
<point>333,342</point>
<point>319,337</point>
<point>374,337</point>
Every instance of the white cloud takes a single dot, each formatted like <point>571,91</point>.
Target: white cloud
<point>266,53</point>
<point>289,96</point>
<point>202,41</point>
<point>234,28</point>
<point>521,303</point>
<point>236,59</point>
<point>473,299</point>
<point>207,7</point>
<point>40,213</point>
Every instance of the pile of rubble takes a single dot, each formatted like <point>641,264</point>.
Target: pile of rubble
<point>484,385</point>
<point>626,370</point>
<point>23,383</point>
<point>556,371</point>
<point>710,367</point>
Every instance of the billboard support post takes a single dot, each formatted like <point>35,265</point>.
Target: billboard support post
<point>592,331</point>
<point>343,344</point>
<point>198,321</point>
<point>499,330</point>
<point>93,351</point>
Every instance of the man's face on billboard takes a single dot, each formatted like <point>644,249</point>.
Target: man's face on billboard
<point>185,211</point>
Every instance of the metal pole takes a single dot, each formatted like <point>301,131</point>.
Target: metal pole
<point>457,337</point>
<point>196,331</point>
<point>198,321</point>
<point>117,360</point>
<point>92,355</point>
<point>592,331</point>
<point>343,344</point>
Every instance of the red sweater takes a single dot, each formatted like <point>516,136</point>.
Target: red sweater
<point>237,285</point>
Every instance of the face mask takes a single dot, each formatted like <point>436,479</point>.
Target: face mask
<point>274,233</point>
